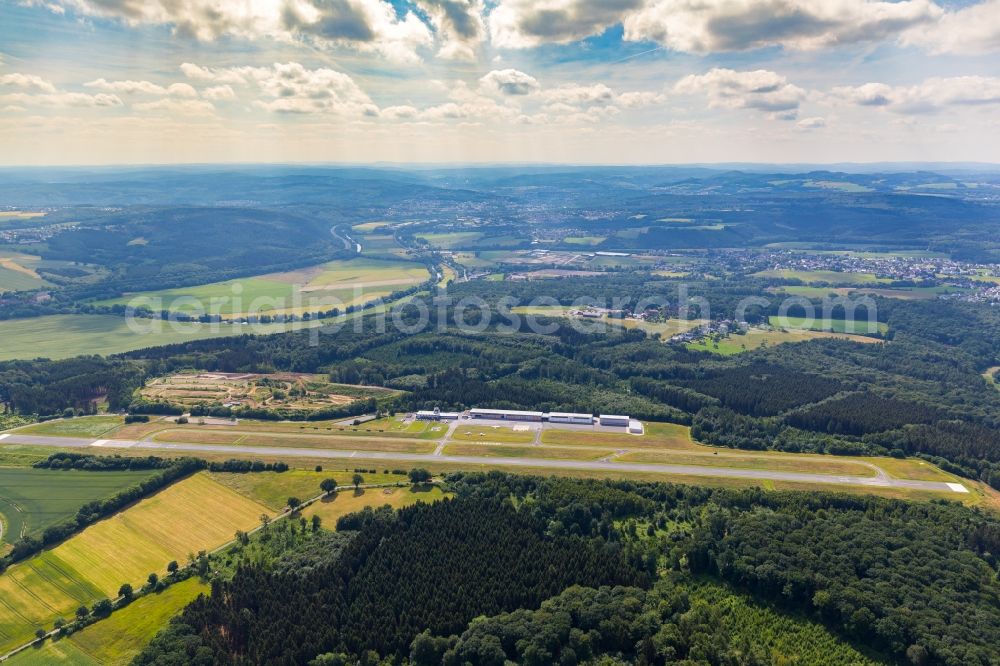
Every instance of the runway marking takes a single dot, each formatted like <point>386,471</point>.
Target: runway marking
<point>958,487</point>
<point>5,436</point>
<point>99,442</point>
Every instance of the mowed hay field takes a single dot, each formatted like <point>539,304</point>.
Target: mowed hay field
<point>329,509</point>
<point>191,515</point>
<point>337,283</point>
<point>34,499</point>
<point>273,489</point>
<point>756,338</point>
<point>115,641</point>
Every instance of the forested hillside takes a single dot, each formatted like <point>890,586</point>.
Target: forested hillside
<point>579,571</point>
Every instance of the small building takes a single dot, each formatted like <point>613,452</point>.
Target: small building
<point>570,417</point>
<point>505,415</point>
<point>614,420</point>
<point>436,415</point>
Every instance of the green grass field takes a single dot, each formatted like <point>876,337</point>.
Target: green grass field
<point>334,284</point>
<point>451,240</point>
<point>64,336</point>
<point>273,488</point>
<point>859,327</point>
<point>756,338</point>
<point>33,499</point>
<point>82,426</point>
<point>469,432</point>
<point>116,640</point>
<point>17,272</point>
<point>329,509</point>
<point>832,277</point>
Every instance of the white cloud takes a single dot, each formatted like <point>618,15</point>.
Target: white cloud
<point>638,100</point>
<point>289,88</point>
<point>571,93</point>
<point>402,112</point>
<point>459,26</point>
<point>701,26</point>
<point>759,89</point>
<point>181,90</point>
<point>188,107</point>
<point>219,93</point>
<point>971,29</point>
<point>27,81</point>
<point>223,75</point>
<point>293,88</point>
<point>61,99</point>
<point>509,82</point>
<point>931,95</point>
<point>815,122</point>
<point>142,87</point>
<point>522,24</point>
<point>366,25</point>
<point>696,26</point>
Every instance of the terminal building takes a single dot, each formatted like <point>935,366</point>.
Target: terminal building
<point>506,415</point>
<point>551,417</point>
<point>436,415</point>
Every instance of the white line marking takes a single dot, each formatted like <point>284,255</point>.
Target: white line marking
<point>99,442</point>
<point>958,487</point>
<point>5,436</point>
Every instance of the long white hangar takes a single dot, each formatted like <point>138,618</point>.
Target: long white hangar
<point>551,417</point>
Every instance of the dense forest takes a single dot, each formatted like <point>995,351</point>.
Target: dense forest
<point>533,571</point>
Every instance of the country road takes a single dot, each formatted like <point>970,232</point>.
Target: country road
<point>879,481</point>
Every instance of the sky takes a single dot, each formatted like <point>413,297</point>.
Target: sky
<point>495,81</point>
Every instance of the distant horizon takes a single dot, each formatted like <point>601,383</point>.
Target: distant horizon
<point>425,165</point>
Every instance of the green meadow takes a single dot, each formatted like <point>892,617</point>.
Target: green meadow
<point>64,336</point>
<point>859,327</point>
<point>336,283</point>
<point>34,499</point>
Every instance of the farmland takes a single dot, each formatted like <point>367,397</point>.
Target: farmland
<point>114,641</point>
<point>832,277</point>
<point>63,336</point>
<point>93,426</point>
<point>329,509</point>
<point>859,327</point>
<point>191,515</point>
<point>756,338</point>
<point>34,499</point>
<point>335,284</point>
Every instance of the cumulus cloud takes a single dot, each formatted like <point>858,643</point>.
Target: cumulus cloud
<point>696,26</point>
<point>760,89</point>
<point>640,99</point>
<point>526,23</point>
<point>368,25</point>
<point>187,107</point>
<point>219,93</point>
<point>142,87</point>
<point>60,99</point>
<point>700,26</point>
<point>509,82</point>
<point>29,81</point>
<point>459,26</point>
<point>971,29</point>
<point>931,95</point>
<point>573,94</point>
<point>199,73</point>
<point>815,122</point>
